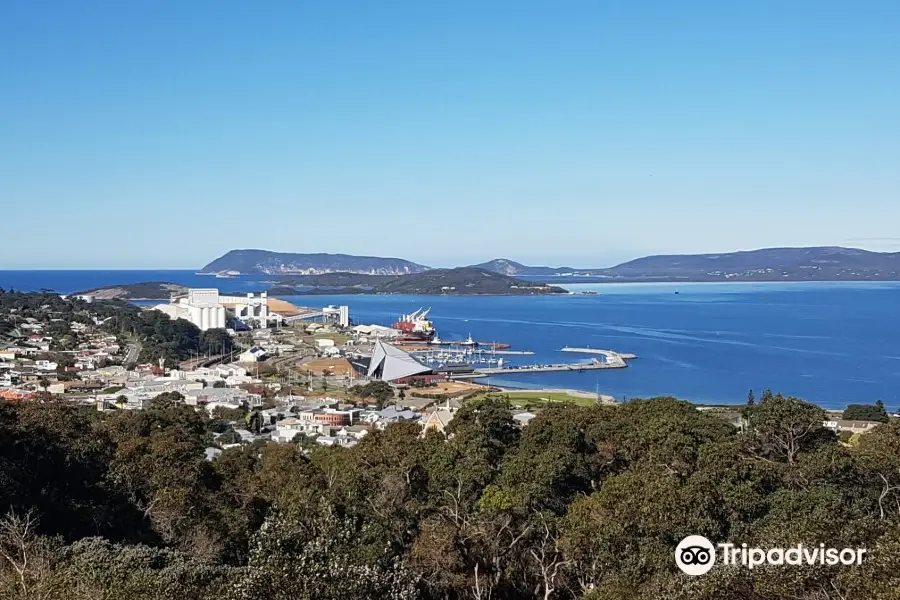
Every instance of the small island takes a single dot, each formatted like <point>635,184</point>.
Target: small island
<point>463,281</point>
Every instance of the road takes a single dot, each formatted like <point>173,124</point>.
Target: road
<point>133,353</point>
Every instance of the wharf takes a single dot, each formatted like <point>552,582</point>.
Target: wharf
<point>594,365</point>
<point>609,354</point>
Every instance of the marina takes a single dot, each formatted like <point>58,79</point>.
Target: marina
<point>594,365</point>
<point>476,360</point>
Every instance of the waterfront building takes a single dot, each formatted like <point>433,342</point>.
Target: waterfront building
<point>390,363</point>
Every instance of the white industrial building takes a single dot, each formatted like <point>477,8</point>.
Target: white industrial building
<point>206,309</point>
<point>376,331</point>
<point>252,308</point>
<point>201,306</point>
<point>337,314</point>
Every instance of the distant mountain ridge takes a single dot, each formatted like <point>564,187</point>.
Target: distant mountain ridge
<point>825,263</point>
<point>288,263</point>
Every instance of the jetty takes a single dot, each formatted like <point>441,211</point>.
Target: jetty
<point>594,365</point>
<point>610,355</point>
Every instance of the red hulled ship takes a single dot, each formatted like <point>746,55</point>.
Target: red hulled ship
<point>416,326</point>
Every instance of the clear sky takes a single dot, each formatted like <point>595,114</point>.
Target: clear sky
<point>160,134</point>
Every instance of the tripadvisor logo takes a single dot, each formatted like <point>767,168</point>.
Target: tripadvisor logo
<point>696,555</point>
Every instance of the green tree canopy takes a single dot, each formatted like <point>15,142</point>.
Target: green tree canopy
<point>866,412</point>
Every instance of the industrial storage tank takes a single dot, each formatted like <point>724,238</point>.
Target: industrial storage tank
<point>220,317</point>
<point>196,315</point>
<point>204,318</point>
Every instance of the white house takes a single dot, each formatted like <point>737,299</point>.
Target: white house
<point>231,370</point>
<point>252,355</point>
<point>228,396</point>
<point>354,431</point>
<point>287,429</point>
<point>839,425</point>
<point>327,440</point>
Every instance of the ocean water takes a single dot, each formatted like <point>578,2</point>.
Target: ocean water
<point>67,282</point>
<point>829,343</point>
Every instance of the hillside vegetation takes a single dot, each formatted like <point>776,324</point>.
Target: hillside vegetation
<point>584,502</point>
<point>463,280</point>
<point>459,281</point>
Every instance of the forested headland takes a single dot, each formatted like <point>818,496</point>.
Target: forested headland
<point>584,502</point>
<point>158,336</point>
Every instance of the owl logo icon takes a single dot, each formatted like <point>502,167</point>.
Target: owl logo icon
<point>695,555</point>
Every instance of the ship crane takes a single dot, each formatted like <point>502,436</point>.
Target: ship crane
<point>416,325</point>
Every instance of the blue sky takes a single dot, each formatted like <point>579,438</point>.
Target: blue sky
<point>160,134</point>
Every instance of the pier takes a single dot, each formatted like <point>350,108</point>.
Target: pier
<point>594,365</point>
<point>610,355</point>
<point>611,360</point>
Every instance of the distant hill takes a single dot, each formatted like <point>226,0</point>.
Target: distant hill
<point>827,263</point>
<point>274,263</point>
<point>504,266</point>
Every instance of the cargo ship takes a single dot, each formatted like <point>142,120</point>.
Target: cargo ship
<point>416,327</point>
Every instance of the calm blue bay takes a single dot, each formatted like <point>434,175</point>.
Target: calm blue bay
<point>830,343</point>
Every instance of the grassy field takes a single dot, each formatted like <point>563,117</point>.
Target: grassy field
<point>541,397</point>
<point>339,338</point>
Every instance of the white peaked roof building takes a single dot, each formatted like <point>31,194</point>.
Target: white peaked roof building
<point>389,363</point>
